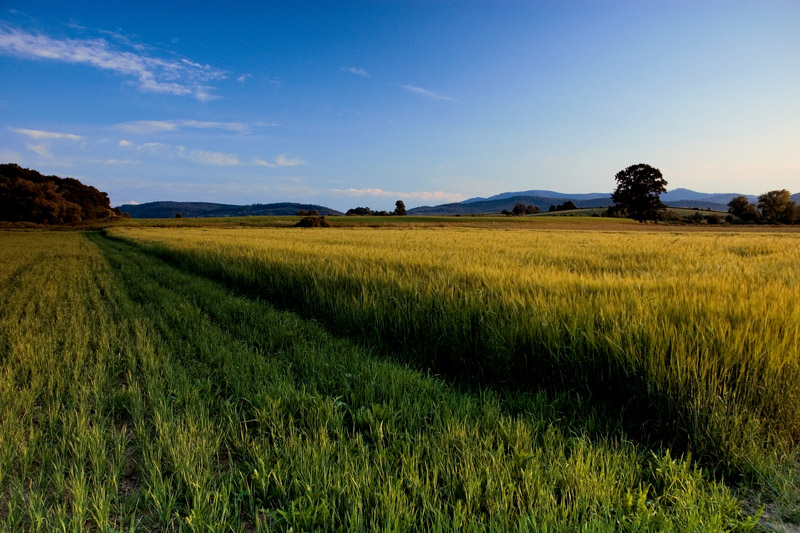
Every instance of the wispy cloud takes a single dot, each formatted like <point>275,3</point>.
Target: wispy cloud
<point>203,157</point>
<point>427,93</point>
<point>209,158</point>
<point>283,161</point>
<point>280,161</point>
<point>153,147</point>
<point>152,74</point>
<point>244,77</point>
<point>145,127</point>
<point>39,135</point>
<point>41,149</point>
<point>43,139</point>
<point>424,196</point>
<point>355,70</point>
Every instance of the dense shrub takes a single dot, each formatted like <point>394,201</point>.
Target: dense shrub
<point>313,222</point>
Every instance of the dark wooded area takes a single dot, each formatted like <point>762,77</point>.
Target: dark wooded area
<point>28,196</point>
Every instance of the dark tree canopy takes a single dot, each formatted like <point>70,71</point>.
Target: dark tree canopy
<point>777,206</point>
<point>366,212</point>
<point>27,196</point>
<point>359,211</point>
<point>313,222</point>
<point>638,192</point>
<point>400,208</point>
<point>522,209</point>
<point>741,208</point>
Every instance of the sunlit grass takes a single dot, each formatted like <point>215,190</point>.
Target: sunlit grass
<point>695,336</point>
<point>137,396</point>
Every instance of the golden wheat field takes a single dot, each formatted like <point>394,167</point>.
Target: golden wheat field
<point>398,378</point>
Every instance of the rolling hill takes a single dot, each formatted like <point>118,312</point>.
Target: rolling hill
<point>494,204</point>
<point>498,205</point>
<point>205,209</point>
<point>543,194</point>
<point>544,199</point>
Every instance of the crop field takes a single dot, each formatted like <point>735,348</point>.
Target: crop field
<point>397,378</point>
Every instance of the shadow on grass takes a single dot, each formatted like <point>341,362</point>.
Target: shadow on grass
<point>594,392</point>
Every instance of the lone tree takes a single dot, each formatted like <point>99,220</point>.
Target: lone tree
<point>638,192</point>
<point>400,208</point>
<point>777,206</point>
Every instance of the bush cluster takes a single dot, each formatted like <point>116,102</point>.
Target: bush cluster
<point>313,222</point>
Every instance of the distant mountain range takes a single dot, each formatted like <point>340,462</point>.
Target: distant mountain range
<point>544,199</point>
<point>493,204</point>
<point>206,209</point>
<point>543,194</point>
<point>475,206</point>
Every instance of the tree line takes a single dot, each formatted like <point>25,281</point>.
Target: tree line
<point>28,196</point>
<point>399,210</point>
<point>774,207</point>
<point>638,196</point>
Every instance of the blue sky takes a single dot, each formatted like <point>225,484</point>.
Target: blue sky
<point>364,103</point>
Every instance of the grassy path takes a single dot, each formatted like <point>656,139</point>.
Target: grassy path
<point>136,396</point>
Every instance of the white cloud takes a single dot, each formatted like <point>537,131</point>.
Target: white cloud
<point>123,143</point>
<point>355,70</point>
<point>280,161</point>
<point>39,135</point>
<point>152,74</point>
<point>244,77</point>
<point>202,157</point>
<point>425,196</point>
<point>209,158</point>
<point>157,126</point>
<point>40,149</point>
<point>229,126</point>
<point>283,161</point>
<point>154,148</point>
<point>121,161</point>
<point>203,93</point>
<point>148,126</point>
<point>428,93</point>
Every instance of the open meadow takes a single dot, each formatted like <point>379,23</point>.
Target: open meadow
<point>504,377</point>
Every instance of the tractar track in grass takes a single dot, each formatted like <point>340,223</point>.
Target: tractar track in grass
<point>136,396</point>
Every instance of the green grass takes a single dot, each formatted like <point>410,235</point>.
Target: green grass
<point>693,336</point>
<point>136,396</point>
